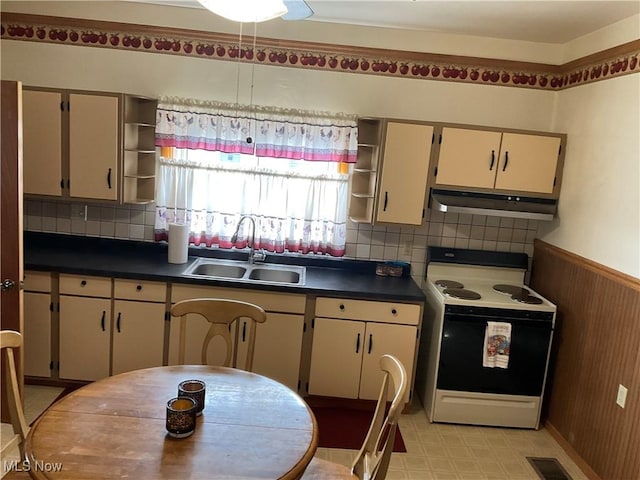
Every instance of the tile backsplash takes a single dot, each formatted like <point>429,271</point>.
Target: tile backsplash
<point>364,242</point>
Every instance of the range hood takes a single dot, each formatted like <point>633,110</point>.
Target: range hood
<point>451,201</point>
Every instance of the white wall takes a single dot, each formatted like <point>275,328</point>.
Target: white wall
<point>599,208</point>
<point>67,66</point>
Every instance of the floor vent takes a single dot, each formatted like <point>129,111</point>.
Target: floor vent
<point>548,468</point>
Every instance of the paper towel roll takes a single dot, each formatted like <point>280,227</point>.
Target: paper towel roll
<point>178,242</point>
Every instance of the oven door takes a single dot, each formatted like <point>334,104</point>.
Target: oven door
<point>460,365</point>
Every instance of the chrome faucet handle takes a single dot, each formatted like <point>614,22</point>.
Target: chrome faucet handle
<point>260,256</point>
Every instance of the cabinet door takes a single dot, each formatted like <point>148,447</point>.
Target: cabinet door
<point>468,158</point>
<point>84,337</point>
<point>336,358</point>
<point>404,173</point>
<point>528,163</point>
<point>42,142</point>
<point>37,334</point>
<point>93,146</point>
<point>138,335</point>
<point>279,347</point>
<point>381,338</point>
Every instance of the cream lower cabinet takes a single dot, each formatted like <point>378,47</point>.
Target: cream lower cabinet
<point>348,344</point>
<point>278,346</point>
<point>139,319</point>
<point>85,327</point>
<point>38,306</point>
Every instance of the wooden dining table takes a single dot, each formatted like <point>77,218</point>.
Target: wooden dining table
<point>252,427</point>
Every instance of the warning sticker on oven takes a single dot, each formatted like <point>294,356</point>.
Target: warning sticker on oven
<point>497,344</point>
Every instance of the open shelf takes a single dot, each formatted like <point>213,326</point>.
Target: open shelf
<point>364,174</point>
<point>139,156</point>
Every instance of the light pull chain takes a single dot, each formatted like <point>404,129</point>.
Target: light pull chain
<point>252,133</point>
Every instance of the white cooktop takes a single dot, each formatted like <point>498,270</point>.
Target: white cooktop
<point>481,280</point>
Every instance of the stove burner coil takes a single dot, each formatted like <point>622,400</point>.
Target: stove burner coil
<point>511,290</point>
<point>529,299</point>
<point>449,284</point>
<point>462,293</point>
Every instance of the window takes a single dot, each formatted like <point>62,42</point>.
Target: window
<point>290,177</point>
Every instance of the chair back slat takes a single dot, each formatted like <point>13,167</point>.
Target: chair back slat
<point>220,313</point>
<point>372,462</point>
<point>9,340</point>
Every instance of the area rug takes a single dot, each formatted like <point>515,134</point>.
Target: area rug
<point>347,428</point>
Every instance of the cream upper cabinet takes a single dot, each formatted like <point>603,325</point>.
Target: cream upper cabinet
<point>528,163</point>
<point>94,146</point>
<point>405,166</point>
<point>494,160</point>
<point>72,144</point>
<point>42,142</point>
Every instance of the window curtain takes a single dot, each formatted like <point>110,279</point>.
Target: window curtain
<point>274,132</point>
<point>299,210</point>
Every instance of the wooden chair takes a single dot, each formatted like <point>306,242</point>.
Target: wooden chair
<point>220,313</point>
<point>372,462</point>
<point>9,340</point>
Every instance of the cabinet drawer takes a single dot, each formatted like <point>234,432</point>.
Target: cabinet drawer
<point>387,312</point>
<point>85,286</point>
<point>269,301</point>
<point>37,281</point>
<point>136,290</point>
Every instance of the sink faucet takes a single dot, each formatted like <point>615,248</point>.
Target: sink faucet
<point>253,256</point>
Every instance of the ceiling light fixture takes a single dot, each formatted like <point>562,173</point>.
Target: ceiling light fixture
<point>246,11</point>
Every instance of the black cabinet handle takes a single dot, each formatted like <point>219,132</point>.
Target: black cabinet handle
<point>394,311</point>
<point>83,283</point>
<point>244,331</point>
<point>118,322</point>
<point>358,344</point>
<point>493,159</point>
<point>506,160</point>
<point>139,287</point>
<point>62,183</point>
<point>370,343</point>
<point>341,307</point>
<point>386,201</point>
<point>109,178</point>
<point>104,314</point>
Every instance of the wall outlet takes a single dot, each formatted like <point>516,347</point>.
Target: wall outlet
<point>622,395</point>
<point>79,211</point>
<point>408,246</point>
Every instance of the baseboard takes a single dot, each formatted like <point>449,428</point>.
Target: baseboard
<point>568,448</point>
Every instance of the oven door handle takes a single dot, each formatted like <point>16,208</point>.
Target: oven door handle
<point>473,319</point>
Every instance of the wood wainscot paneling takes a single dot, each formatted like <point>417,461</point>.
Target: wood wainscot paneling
<point>596,348</point>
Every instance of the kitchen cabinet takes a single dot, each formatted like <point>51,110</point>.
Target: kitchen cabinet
<point>84,327</point>
<point>498,161</point>
<point>405,167</point>
<point>38,310</point>
<point>139,153</point>
<point>72,144</point>
<point>139,319</point>
<point>278,345</point>
<point>350,336</point>
<point>388,181</point>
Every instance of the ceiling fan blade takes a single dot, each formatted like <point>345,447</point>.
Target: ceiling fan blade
<point>297,10</point>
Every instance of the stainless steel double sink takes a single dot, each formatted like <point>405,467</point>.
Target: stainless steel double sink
<point>217,269</point>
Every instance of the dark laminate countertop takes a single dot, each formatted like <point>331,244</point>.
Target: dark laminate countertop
<point>148,261</point>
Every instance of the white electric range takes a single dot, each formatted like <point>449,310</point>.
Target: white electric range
<point>485,341</point>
